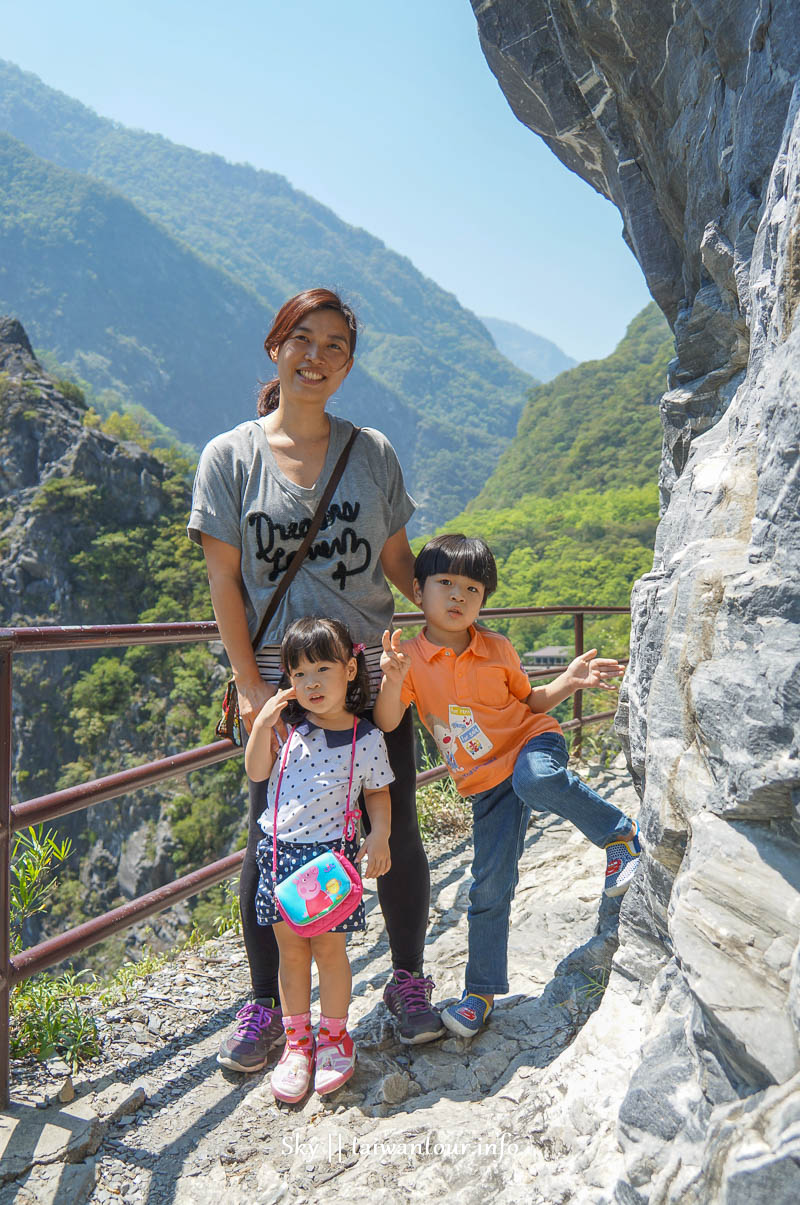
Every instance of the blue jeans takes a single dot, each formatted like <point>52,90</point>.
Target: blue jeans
<point>540,782</point>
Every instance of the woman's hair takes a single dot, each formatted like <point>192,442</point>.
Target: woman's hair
<point>325,640</point>
<point>291,313</point>
<point>467,556</point>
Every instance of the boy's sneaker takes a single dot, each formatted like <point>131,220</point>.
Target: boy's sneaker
<point>408,998</point>
<point>468,1016</point>
<point>336,1062</point>
<point>291,1078</point>
<point>258,1029</point>
<point>622,858</point>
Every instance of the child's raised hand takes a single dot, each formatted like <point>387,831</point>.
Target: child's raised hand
<point>262,748</point>
<point>375,847</point>
<point>394,663</point>
<point>590,672</point>
<point>270,713</point>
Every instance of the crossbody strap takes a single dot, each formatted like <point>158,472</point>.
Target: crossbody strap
<point>351,817</point>
<point>300,555</point>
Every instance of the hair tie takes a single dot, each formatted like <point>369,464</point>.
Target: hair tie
<point>358,648</point>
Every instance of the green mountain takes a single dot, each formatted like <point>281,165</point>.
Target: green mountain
<point>532,353</point>
<point>123,304</point>
<point>153,269</point>
<point>594,427</point>
<point>571,510</point>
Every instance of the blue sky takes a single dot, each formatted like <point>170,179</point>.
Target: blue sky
<point>386,112</point>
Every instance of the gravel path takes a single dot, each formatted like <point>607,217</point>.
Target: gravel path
<point>157,1121</point>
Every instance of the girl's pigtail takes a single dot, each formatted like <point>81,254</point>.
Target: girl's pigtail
<point>357,698</point>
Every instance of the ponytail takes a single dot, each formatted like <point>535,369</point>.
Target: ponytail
<point>268,397</point>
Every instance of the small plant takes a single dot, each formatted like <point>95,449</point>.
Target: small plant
<point>45,1016</point>
<point>69,389</point>
<point>440,808</point>
<point>230,919</point>
<point>595,983</point>
<point>92,419</point>
<point>34,856</point>
<point>118,988</point>
<point>46,1020</point>
<point>216,911</point>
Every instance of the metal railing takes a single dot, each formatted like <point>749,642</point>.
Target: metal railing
<point>21,966</point>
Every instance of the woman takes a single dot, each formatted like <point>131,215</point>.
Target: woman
<point>256,489</point>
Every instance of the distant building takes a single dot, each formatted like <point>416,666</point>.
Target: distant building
<point>553,654</point>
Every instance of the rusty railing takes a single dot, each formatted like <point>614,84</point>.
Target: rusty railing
<point>13,641</point>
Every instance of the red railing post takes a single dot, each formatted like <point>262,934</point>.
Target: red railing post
<point>577,698</point>
<point>6,644</point>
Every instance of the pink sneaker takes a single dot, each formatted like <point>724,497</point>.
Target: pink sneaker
<point>292,1076</point>
<point>335,1064</point>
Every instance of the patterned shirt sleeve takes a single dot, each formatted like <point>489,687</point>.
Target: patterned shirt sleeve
<point>374,762</point>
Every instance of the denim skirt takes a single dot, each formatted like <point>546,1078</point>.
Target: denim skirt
<point>291,855</point>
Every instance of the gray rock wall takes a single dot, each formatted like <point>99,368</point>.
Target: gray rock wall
<point>687,116</point>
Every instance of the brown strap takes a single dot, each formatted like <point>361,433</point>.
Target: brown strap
<point>300,555</point>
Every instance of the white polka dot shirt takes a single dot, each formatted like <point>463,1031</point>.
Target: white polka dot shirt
<point>314,787</point>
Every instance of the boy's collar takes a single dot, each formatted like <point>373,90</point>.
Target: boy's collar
<point>477,645</point>
<point>334,737</point>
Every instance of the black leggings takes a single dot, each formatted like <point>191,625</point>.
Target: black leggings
<point>404,892</point>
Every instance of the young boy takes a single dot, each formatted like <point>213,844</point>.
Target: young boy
<point>500,747</point>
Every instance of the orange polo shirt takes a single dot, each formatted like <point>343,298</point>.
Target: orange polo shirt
<point>473,706</point>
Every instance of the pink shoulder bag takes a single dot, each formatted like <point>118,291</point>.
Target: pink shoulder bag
<point>316,897</point>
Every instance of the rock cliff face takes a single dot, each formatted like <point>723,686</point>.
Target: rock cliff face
<point>687,116</point>
<point>61,481</point>
<point>44,441</point>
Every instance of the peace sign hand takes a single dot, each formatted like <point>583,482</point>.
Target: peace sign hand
<point>395,664</point>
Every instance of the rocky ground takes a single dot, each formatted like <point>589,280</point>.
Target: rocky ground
<point>157,1121</point>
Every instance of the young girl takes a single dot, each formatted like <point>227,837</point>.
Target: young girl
<point>329,683</point>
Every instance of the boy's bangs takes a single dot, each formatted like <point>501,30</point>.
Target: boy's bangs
<point>460,555</point>
<point>464,562</point>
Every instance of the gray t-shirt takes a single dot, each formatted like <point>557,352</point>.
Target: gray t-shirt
<point>241,496</point>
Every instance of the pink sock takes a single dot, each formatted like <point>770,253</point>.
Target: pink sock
<point>331,1029</point>
<point>298,1029</point>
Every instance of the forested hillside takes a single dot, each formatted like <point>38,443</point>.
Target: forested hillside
<point>158,273</point>
<point>571,510</point>
<point>594,427</point>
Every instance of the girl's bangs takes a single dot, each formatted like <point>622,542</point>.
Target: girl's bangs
<point>317,644</point>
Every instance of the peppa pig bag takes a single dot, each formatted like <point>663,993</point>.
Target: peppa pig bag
<point>316,897</point>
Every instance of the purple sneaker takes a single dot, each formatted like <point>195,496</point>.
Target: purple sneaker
<point>258,1029</point>
<point>408,998</point>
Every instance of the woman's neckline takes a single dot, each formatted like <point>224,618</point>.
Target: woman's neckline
<point>333,450</point>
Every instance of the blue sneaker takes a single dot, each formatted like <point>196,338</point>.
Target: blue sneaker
<point>622,858</point>
<point>467,1017</point>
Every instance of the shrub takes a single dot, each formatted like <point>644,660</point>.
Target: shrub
<point>45,1017</point>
